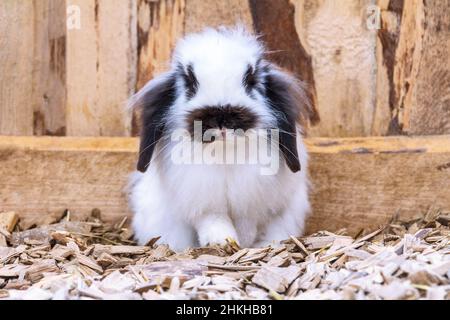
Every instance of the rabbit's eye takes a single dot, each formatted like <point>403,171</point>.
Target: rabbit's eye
<point>191,82</point>
<point>250,79</point>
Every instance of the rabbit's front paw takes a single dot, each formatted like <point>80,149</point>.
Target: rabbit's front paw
<point>216,231</point>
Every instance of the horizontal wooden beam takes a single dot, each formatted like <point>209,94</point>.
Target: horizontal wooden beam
<point>356,182</point>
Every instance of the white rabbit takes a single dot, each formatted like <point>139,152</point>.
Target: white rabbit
<point>221,78</point>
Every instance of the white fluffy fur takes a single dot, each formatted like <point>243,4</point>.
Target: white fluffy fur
<point>190,205</point>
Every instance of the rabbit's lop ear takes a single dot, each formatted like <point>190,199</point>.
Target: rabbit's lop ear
<point>288,98</point>
<point>154,100</point>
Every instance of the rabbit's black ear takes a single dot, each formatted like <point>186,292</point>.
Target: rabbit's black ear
<point>287,97</point>
<point>154,100</point>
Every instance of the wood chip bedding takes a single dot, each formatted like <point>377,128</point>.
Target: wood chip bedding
<point>94,260</point>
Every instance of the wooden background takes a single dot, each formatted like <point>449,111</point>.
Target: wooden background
<point>366,82</point>
<point>59,81</point>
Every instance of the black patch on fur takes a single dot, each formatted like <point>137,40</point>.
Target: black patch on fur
<point>277,91</point>
<point>190,81</point>
<point>250,80</point>
<point>155,104</point>
<point>222,117</point>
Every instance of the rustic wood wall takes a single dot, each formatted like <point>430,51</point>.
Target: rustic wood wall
<point>60,81</point>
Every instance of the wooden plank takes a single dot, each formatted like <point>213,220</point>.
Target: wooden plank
<point>387,42</point>
<point>414,47</point>
<point>361,182</point>
<point>73,173</point>
<point>422,73</point>
<point>281,38</point>
<point>117,54</point>
<point>82,57</point>
<point>334,34</point>
<point>16,61</point>
<point>357,182</point>
<point>101,64</point>
<point>160,26</point>
<point>49,73</point>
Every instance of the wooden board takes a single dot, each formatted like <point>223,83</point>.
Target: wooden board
<point>45,176</point>
<point>282,40</point>
<point>414,45</point>
<point>160,25</point>
<point>101,68</point>
<point>357,182</point>
<point>342,50</point>
<point>49,68</point>
<point>361,182</point>
<point>422,72</point>
<point>116,37</point>
<point>82,57</point>
<point>16,61</point>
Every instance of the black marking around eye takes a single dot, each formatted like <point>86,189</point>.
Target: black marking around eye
<point>190,81</point>
<point>250,79</point>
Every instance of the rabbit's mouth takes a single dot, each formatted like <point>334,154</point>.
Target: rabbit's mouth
<point>216,122</point>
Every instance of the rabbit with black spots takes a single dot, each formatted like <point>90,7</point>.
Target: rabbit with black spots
<point>220,88</point>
